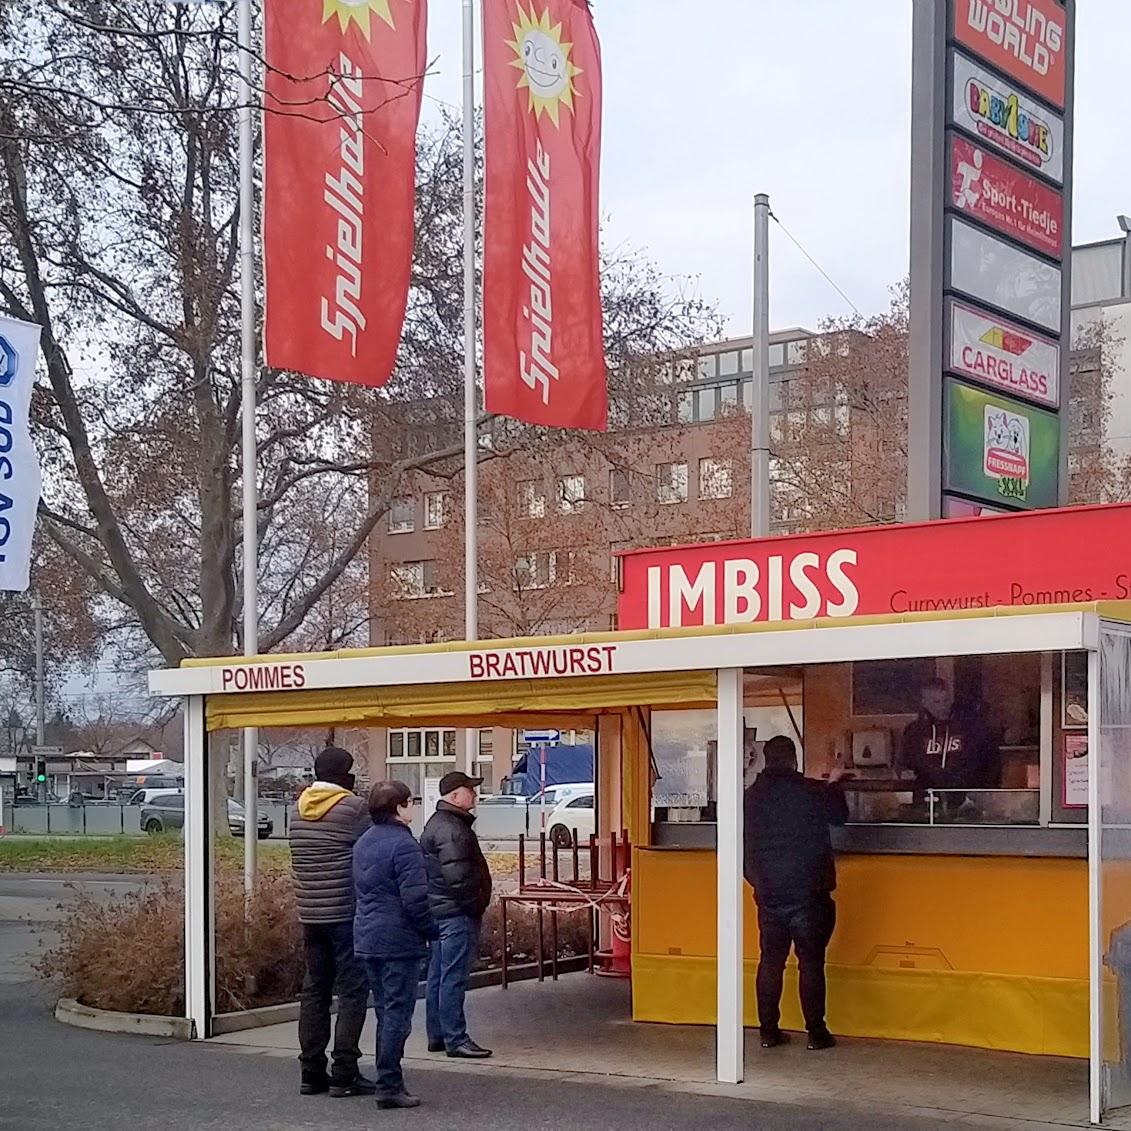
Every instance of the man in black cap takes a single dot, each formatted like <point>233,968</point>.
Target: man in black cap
<point>328,819</point>
<point>459,890</point>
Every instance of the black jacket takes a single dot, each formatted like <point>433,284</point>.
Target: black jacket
<point>788,850</point>
<point>955,754</point>
<point>459,881</point>
<point>392,919</point>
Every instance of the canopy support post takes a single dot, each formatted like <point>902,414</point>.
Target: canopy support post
<point>730,1052</point>
<point>200,933</point>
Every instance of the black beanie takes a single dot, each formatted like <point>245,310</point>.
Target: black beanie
<point>334,765</point>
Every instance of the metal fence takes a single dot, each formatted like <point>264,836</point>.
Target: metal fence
<point>97,819</point>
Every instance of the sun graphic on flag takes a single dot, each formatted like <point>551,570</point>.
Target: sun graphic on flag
<point>544,61</point>
<point>358,11</point>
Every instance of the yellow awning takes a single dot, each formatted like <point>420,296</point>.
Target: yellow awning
<point>510,703</point>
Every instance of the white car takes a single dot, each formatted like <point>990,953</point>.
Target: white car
<point>573,820</point>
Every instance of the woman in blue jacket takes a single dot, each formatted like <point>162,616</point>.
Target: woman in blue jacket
<point>391,929</point>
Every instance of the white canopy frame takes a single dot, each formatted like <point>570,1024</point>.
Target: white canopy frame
<point>727,652</point>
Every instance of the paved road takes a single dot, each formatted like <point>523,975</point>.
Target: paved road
<point>55,1076</point>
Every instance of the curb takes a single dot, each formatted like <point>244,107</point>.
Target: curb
<point>74,1013</point>
<point>71,1012</point>
<point>259,1018</point>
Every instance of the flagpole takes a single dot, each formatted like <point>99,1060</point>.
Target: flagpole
<point>249,461</point>
<point>470,408</point>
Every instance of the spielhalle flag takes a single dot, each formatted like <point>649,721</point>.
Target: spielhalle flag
<point>343,87</point>
<point>544,356</point>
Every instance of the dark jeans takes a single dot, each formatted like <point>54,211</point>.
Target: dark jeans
<point>448,968</point>
<point>807,928</point>
<point>330,966</point>
<point>393,982</point>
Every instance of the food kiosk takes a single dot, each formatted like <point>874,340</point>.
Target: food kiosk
<point>996,919</point>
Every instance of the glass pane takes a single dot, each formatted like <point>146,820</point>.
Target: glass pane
<point>396,744</point>
<point>707,401</point>
<point>449,744</point>
<point>431,744</point>
<point>414,743</point>
<point>777,354</point>
<point>748,361</point>
<point>728,363</point>
<point>1114,770</point>
<point>728,395</point>
<point>681,741</point>
<point>707,366</point>
<point>410,774</point>
<point>685,408</point>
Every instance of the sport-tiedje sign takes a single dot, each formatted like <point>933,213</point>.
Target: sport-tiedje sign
<point>1010,561</point>
<point>1005,198</point>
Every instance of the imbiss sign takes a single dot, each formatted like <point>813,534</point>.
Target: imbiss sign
<point>1027,561</point>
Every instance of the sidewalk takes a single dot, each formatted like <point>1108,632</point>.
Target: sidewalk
<point>579,1028</point>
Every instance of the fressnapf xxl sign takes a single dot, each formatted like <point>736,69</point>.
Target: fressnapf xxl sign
<point>1012,561</point>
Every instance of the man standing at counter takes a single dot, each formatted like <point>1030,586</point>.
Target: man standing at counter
<point>789,862</point>
<point>947,750</point>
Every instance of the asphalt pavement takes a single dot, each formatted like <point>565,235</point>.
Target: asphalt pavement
<point>55,1076</point>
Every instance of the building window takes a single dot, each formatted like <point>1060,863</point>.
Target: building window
<point>728,398</point>
<point>716,479</point>
<point>707,400</point>
<point>435,504</point>
<point>571,494</point>
<point>708,366</point>
<point>535,570</point>
<point>671,482</point>
<point>777,354</point>
<point>427,754</point>
<point>402,516</point>
<point>620,489</point>
<point>532,499</point>
<point>685,408</point>
<point>728,363</point>
<point>415,580</point>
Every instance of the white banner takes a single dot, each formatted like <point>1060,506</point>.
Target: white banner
<point>19,462</point>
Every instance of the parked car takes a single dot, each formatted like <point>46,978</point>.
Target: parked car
<point>146,796</point>
<point>167,811</point>
<point>500,817</point>
<point>573,820</point>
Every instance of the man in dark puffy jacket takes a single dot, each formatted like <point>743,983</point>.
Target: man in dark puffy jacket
<point>328,820</point>
<point>459,890</point>
<point>789,862</point>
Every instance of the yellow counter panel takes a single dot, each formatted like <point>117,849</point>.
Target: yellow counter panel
<point>987,951</point>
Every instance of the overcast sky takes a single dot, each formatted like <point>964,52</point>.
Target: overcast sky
<point>707,103</point>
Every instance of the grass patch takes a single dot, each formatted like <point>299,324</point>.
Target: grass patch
<point>126,855</point>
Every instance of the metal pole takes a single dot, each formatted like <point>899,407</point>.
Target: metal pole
<point>250,455</point>
<point>470,409</point>
<point>760,387</point>
<point>40,709</point>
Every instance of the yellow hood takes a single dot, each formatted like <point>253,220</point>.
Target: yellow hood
<point>318,799</point>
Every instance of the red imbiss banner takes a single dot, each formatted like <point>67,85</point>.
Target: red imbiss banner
<point>1050,557</point>
<point>343,88</point>
<point>543,342</point>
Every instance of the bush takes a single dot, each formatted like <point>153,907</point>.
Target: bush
<point>128,954</point>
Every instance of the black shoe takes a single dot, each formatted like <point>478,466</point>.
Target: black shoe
<point>315,1087</point>
<point>773,1038</point>
<point>821,1040</point>
<point>469,1051</point>
<point>437,1046</point>
<point>359,1086</point>
<point>385,1103</point>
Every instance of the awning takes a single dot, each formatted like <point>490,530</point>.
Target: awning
<point>509,703</point>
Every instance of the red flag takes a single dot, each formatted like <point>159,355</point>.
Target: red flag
<point>542,326</point>
<point>343,89</point>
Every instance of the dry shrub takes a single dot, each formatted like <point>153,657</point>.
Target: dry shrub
<point>127,954</point>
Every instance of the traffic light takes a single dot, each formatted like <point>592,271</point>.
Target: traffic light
<point>41,770</point>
